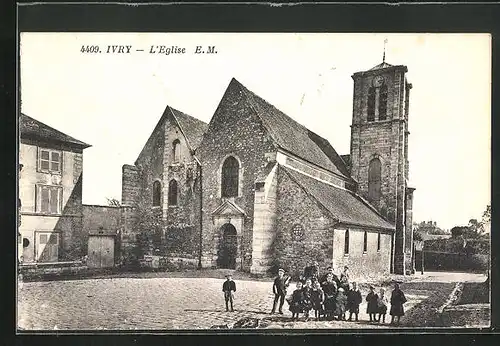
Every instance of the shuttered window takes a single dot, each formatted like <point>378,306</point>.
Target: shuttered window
<point>49,199</point>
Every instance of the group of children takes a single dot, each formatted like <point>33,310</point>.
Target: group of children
<point>333,297</point>
<point>328,296</point>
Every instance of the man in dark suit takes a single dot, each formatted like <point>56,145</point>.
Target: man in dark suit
<point>312,272</point>
<point>335,278</point>
<point>280,285</point>
<point>228,287</point>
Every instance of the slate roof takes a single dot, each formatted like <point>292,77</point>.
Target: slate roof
<point>193,128</point>
<point>294,137</point>
<point>342,204</point>
<point>32,128</point>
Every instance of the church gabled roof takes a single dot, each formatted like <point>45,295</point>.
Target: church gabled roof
<point>193,128</point>
<point>342,204</point>
<point>32,128</point>
<point>294,137</point>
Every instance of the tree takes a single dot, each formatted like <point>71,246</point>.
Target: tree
<point>476,228</point>
<point>417,236</point>
<point>113,202</point>
<point>487,214</point>
<point>459,231</point>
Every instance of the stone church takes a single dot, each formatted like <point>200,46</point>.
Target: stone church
<point>254,189</point>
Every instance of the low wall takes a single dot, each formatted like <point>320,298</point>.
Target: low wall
<point>51,271</point>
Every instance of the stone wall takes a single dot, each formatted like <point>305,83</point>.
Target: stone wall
<point>371,263</point>
<point>182,221</point>
<point>130,185</point>
<point>173,230</point>
<point>307,232</point>
<point>304,229</point>
<point>234,130</point>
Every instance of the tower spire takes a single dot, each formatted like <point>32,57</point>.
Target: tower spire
<point>383,57</point>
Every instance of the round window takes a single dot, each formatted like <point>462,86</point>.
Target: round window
<point>26,242</point>
<point>297,232</point>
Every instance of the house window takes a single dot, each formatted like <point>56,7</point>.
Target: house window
<point>230,177</point>
<point>378,242</point>
<point>156,194</point>
<point>49,199</point>
<point>382,103</point>
<point>49,161</point>
<point>365,242</point>
<point>346,242</point>
<point>374,181</point>
<point>176,150</point>
<point>172,192</point>
<point>371,104</point>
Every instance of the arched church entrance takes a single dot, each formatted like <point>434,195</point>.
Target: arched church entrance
<point>228,247</point>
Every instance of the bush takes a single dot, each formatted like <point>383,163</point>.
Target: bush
<point>453,261</point>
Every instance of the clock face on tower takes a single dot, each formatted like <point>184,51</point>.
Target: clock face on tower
<point>378,81</point>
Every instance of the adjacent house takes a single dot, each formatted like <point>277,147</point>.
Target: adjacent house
<point>50,193</point>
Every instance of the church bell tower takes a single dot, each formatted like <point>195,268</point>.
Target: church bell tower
<point>379,152</point>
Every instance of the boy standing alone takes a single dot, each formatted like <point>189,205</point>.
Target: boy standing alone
<point>279,289</point>
<point>228,287</point>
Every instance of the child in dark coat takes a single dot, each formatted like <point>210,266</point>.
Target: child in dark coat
<point>397,300</point>
<point>330,291</point>
<point>382,305</point>
<point>307,302</point>
<point>340,304</point>
<point>372,307</point>
<point>353,300</point>
<point>296,301</point>
<point>317,297</point>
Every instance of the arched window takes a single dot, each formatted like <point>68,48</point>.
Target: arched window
<point>365,242</point>
<point>156,194</point>
<point>230,177</point>
<point>371,104</point>
<point>374,181</point>
<point>346,242</point>
<point>382,103</point>
<point>172,192</point>
<point>176,150</point>
<point>378,242</point>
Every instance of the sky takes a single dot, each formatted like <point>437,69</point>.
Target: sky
<point>113,101</point>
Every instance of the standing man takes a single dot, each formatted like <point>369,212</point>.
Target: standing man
<point>312,272</point>
<point>335,278</point>
<point>228,287</point>
<point>280,285</point>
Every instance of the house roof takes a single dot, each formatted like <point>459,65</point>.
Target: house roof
<point>344,205</point>
<point>193,128</point>
<point>32,128</point>
<point>294,137</point>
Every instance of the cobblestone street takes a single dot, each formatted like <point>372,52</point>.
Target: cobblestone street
<point>158,303</point>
